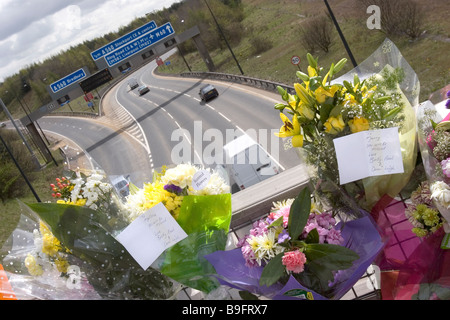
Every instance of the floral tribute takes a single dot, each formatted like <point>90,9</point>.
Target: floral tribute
<point>203,213</point>
<point>265,240</point>
<point>78,233</point>
<point>71,251</point>
<point>169,187</point>
<point>422,213</point>
<point>299,248</point>
<point>434,143</point>
<point>322,109</point>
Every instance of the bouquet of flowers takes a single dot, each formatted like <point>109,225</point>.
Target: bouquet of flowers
<point>67,249</point>
<point>434,143</point>
<point>415,232</point>
<point>299,251</point>
<point>200,201</point>
<point>375,95</point>
<point>80,232</point>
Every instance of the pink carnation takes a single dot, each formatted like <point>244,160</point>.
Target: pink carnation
<point>294,261</point>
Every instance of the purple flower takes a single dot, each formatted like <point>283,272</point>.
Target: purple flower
<point>334,237</point>
<point>283,236</point>
<point>447,104</point>
<point>249,256</point>
<point>173,188</point>
<point>259,228</point>
<point>325,220</point>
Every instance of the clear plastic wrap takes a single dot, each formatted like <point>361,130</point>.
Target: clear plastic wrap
<point>67,250</point>
<point>379,93</point>
<point>414,261</point>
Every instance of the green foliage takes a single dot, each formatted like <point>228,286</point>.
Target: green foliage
<point>11,182</point>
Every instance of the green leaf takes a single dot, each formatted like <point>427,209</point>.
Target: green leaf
<point>348,86</point>
<point>299,213</point>
<point>245,295</point>
<point>326,110</point>
<point>339,65</point>
<point>356,79</point>
<point>382,100</point>
<point>280,106</point>
<point>284,94</point>
<point>331,72</point>
<point>323,259</point>
<point>336,256</point>
<point>392,113</point>
<point>277,222</point>
<point>273,271</point>
<point>312,237</point>
<point>312,62</point>
<point>433,124</point>
<point>302,76</point>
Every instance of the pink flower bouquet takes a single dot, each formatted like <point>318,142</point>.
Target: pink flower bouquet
<point>298,251</point>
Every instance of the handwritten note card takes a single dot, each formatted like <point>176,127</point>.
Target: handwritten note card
<point>368,153</point>
<point>200,179</point>
<point>150,234</point>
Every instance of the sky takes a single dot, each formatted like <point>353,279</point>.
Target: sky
<point>34,30</point>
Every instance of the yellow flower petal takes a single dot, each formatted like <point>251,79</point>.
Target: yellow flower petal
<point>297,141</point>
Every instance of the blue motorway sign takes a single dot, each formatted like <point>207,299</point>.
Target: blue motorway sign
<point>72,78</point>
<point>139,44</point>
<point>123,40</point>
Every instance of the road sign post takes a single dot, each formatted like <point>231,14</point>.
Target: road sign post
<point>295,60</point>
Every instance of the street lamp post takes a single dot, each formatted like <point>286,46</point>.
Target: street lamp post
<point>223,36</point>
<point>347,48</point>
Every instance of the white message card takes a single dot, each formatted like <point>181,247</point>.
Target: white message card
<point>150,234</point>
<point>368,153</point>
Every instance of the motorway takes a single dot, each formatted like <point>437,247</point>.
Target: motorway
<point>141,133</point>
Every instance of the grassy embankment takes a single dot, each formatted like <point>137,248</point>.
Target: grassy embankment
<point>280,24</point>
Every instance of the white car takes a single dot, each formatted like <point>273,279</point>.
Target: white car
<point>2,124</point>
<point>247,163</point>
<point>143,89</point>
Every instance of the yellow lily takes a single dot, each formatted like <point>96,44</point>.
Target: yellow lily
<point>321,93</point>
<point>304,94</point>
<point>291,129</point>
<point>306,111</point>
<point>292,102</point>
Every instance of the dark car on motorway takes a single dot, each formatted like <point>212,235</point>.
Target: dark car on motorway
<point>143,89</point>
<point>208,92</point>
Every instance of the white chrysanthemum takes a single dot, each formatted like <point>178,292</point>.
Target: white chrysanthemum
<point>265,246</point>
<point>181,175</point>
<point>281,204</point>
<point>440,191</point>
<point>135,204</point>
<point>76,191</point>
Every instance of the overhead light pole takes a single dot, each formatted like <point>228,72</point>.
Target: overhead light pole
<point>347,48</point>
<point>224,38</point>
